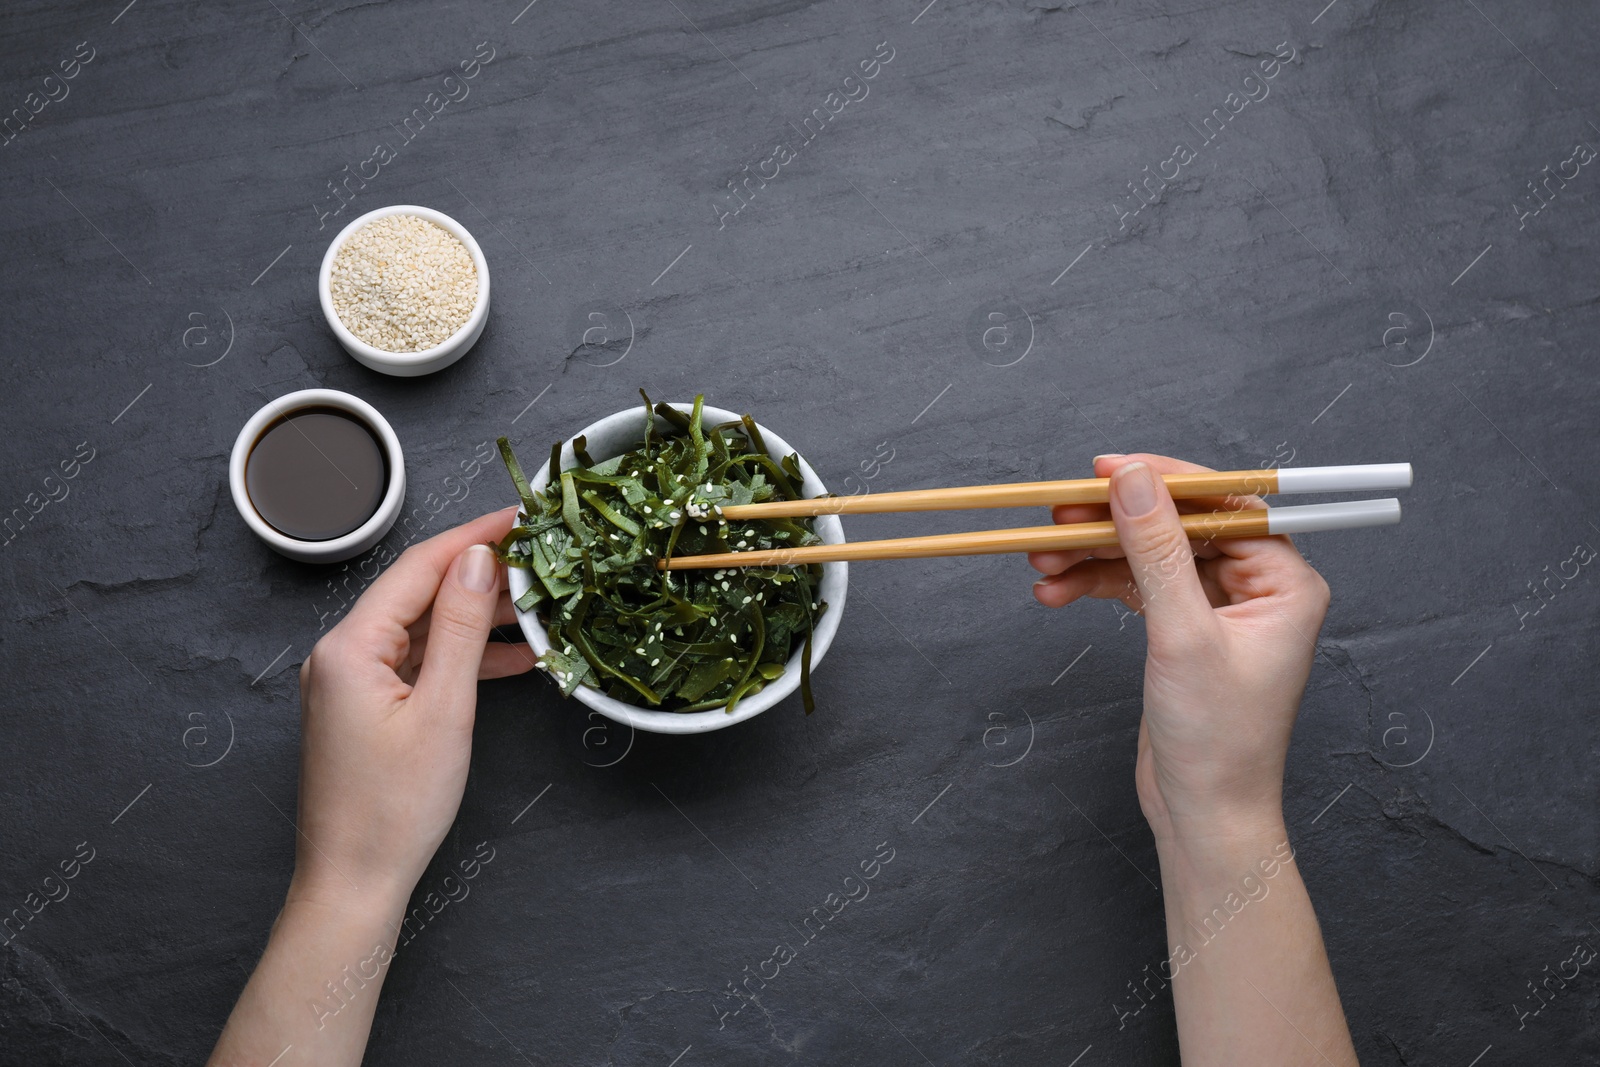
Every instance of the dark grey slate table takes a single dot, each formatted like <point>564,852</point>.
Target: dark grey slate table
<point>1345,262</point>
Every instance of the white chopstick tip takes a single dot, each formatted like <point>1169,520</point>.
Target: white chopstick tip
<point>1401,475</point>
<point>1339,515</point>
<point>1354,478</point>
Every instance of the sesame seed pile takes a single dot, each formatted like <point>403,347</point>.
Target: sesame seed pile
<point>403,284</point>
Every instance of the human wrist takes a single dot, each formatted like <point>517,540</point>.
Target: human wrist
<point>318,980</point>
<point>1232,807</point>
<point>377,904</point>
<point>338,937</point>
<point>1223,850</point>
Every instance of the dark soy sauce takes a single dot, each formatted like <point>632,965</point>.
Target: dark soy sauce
<point>315,474</point>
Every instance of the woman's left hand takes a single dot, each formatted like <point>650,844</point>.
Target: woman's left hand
<point>387,702</point>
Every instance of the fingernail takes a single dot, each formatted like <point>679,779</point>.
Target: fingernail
<point>1135,488</point>
<point>1109,455</point>
<point>479,571</point>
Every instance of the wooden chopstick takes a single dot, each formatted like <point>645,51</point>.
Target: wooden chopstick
<point>1087,491</point>
<point>1201,526</point>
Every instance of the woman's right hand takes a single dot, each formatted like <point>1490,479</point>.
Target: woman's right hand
<point>1232,627</point>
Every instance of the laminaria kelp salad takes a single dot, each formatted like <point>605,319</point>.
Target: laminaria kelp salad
<point>688,640</point>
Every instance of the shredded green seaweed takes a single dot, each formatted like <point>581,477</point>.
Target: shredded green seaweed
<point>686,640</point>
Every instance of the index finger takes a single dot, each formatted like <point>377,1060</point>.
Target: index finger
<point>406,590</point>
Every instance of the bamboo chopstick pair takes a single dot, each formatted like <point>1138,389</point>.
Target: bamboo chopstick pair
<point>1200,526</point>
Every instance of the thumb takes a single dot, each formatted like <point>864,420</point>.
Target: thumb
<point>463,612</point>
<point>1176,610</point>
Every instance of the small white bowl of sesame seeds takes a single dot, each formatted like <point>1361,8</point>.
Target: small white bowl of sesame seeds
<point>405,289</point>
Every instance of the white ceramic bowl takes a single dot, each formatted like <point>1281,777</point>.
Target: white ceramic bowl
<point>362,537</point>
<point>616,434</point>
<point>428,360</point>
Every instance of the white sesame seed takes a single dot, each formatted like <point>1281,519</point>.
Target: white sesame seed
<point>403,283</point>
<point>655,661</point>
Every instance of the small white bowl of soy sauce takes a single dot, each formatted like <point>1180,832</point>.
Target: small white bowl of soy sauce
<point>318,475</point>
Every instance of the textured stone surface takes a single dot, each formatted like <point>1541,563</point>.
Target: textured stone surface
<point>1341,276</point>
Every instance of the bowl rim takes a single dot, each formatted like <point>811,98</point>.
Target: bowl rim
<point>369,353</point>
<point>835,577</point>
<point>388,508</point>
